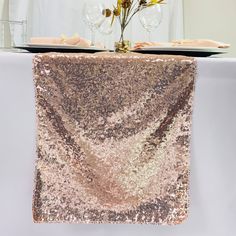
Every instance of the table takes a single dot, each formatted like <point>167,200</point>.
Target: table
<point>213,188</point>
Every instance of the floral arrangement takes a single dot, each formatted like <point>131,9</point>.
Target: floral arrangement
<point>125,10</point>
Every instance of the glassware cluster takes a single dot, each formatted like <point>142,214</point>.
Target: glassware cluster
<point>12,33</point>
<point>99,17</point>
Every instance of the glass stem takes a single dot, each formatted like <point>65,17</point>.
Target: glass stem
<point>149,35</point>
<point>92,37</point>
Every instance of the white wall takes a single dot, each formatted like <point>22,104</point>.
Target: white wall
<point>211,19</point>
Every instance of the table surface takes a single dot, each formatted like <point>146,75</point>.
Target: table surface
<point>213,161</point>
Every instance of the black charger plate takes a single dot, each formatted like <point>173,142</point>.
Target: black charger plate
<point>58,48</point>
<point>192,52</point>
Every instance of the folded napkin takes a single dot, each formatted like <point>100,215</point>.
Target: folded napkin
<point>184,43</point>
<point>139,45</point>
<point>200,43</point>
<point>75,41</point>
<point>46,40</point>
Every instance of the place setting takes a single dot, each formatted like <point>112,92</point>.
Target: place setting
<point>99,18</point>
<point>93,17</point>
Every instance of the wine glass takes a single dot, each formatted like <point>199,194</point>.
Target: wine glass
<point>106,29</point>
<point>93,16</point>
<point>150,18</point>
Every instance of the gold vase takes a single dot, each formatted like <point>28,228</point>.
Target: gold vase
<point>122,46</point>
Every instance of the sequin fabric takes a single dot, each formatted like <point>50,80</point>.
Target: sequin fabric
<point>113,138</point>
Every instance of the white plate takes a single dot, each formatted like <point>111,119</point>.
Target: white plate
<point>183,48</point>
<point>63,46</point>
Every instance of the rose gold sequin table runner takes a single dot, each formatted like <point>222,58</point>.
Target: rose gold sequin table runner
<point>113,138</point>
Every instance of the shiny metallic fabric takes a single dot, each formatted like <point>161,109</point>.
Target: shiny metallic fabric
<point>113,138</point>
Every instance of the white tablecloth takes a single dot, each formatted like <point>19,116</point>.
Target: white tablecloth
<point>213,167</point>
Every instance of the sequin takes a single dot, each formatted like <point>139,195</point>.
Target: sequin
<point>113,138</point>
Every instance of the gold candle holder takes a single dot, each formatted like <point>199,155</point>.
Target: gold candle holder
<point>122,46</point>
